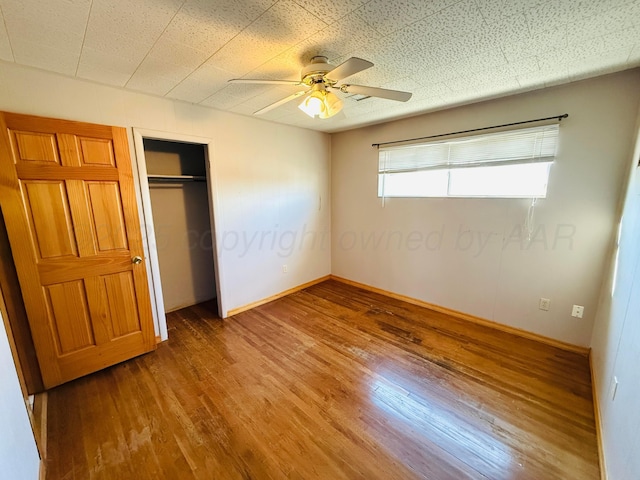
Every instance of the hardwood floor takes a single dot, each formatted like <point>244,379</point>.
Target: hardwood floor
<point>332,382</point>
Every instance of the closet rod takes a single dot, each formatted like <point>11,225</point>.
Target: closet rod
<point>555,117</point>
<point>176,178</point>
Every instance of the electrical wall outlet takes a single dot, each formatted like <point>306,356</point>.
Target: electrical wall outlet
<point>544,304</point>
<point>577,311</point>
<point>285,269</point>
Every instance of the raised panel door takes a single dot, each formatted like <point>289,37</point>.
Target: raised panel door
<point>66,190</point>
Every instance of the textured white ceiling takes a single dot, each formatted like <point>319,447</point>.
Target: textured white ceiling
<point>447,52</point>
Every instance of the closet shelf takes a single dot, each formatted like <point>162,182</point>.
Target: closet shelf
<point>176,178</point>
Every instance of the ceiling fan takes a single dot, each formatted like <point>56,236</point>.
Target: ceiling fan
<point>318,78</point>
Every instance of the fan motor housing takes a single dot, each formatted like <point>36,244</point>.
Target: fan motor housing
<point>315,70</point>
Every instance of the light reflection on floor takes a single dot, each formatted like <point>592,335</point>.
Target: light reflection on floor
<point>438,426</point>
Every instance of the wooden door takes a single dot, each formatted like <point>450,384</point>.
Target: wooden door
<point>68,199</point>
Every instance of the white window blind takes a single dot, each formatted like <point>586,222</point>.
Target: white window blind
<point>529,145</point>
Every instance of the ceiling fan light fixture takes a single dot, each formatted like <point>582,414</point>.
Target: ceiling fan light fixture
<point>332,105</point>
<point>313,104</point>
<point>320,103</point>
<point>318,78</point>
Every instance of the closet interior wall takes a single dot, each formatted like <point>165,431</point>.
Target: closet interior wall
<point>181,219</point>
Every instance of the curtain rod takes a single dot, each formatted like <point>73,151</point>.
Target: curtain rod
<point>558,117</point>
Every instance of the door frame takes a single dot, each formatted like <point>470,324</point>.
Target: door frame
<point>147,225</point>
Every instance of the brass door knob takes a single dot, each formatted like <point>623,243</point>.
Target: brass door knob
<point>136,260</point>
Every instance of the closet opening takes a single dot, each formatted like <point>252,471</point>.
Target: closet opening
<point>177,197</point>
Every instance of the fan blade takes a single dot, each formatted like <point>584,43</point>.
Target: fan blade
<point>268,82</point>
<point>280,102</point>
<point>348,68</point>
<point>376,92</point>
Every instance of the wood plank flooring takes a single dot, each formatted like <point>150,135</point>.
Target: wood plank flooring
<point>332,382</point>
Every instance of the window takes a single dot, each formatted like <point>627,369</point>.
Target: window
<point>512,164</point>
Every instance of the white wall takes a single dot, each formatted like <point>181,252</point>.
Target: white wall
<point>272,181</point>
<point>466,254</point>
<point>19,459</point>
<point>616,340</point>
